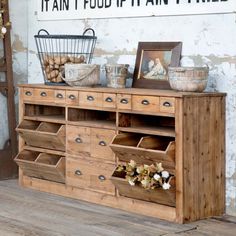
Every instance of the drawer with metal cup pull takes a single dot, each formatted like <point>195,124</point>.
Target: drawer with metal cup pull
<point>109,100</point>
<point>28,94</point>
<point>124,101</point>
<point>72,98</point>
<point>145,103</point>
<point>60,96</point>
<point>167,104</point>
<point>92,99</point>
<point>45,95</point>
<point>92,175</point>
<point>78,140</point>
<point>100,140</point>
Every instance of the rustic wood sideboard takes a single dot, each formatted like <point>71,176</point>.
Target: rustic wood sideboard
<point>71,140</point>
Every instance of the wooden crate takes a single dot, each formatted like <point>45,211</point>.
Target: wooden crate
<point>144,150</point>
<point>43,134</point>
<point>42,165</point>
<point>161,196</point>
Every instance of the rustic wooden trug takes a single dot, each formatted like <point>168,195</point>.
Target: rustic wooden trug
<point>92,130</point>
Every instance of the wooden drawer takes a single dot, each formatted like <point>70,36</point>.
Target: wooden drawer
<point>42,165</point>
<point>167,104</point>
<point>90,175</point>
<point>90,99</point>
<point>59,96</point>
<point>43,134</point>
<point>109,100</point>
<point>44,95</point>
<point>124,101</point>
<point>28,94</point>
<point>78,140</point>
<point>49,95</point>
<point>145,103</point>
<point>145,150</point>
<point>100,140</point>
<point>161,196</point>
<point>72,98</point>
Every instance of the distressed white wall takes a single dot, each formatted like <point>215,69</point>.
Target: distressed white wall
<point>207,39</point>
<point>19,37</point>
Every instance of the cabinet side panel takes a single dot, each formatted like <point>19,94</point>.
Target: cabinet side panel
<point>204,168</point>
<point>190,158</point>
<point>179,160</point>
<point>21,117</point>
<point>220,189</point>
<point>211,157</point>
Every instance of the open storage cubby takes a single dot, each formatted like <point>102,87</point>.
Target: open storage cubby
<point>54,114</point>
<point>145,149</point>
<point>159,195</point>
<point>42,165</point>
<point>43,134</point>
<point>93,118</point>
<point>159,125</point>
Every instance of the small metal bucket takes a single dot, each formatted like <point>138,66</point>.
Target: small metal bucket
<point>116,75</point>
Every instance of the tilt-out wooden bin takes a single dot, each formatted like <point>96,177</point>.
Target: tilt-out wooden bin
<point>92,130</point>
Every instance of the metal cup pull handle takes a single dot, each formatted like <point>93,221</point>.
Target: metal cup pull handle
<point>72,97</point>
<point>28,93</point>
<point>167,104</point>
<point>109,99</point>
<point>78,140</point>
<point>101,177</point>
<point>102,143</point>
<point>90,98</point>
<point>43,94</point>
<point>145,102</point>
<point>78,172</point>
<point>124,101</point>
<point>59,95</point>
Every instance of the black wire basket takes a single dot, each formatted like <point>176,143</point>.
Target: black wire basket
<point>55,51</point>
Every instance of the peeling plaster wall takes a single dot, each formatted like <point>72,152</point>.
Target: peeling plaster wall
<point>207,39</point>
<point>19,37</point>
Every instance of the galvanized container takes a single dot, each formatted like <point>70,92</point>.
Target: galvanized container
<point>116,75</point>
<point>188,79</point>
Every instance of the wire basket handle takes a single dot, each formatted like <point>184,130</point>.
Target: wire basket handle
<point>89,30</point>
<point>43,30</point>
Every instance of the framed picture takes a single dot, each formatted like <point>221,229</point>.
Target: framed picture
<point>152,61</point>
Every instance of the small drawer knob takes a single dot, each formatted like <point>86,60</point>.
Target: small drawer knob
<point>28,93</point>
<point>102,143</point>
<point>72,97</point>
<point>78,140</point>
<point>43,94</point>
<point>167,104</point>
<point>101,177</point>
<point>90,98</point>
<point>145,102</point>
<point>59,95</point>
<point>124,101</point>
<point>78,172</point>
<point>109,99</point>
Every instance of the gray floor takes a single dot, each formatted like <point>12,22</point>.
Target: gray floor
<point>32,213</point>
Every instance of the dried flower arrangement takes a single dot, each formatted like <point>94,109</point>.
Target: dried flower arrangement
<point>3,26</point>
<point>148,176</point>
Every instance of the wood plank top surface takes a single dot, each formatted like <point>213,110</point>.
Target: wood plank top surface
<point>139,91</point>
<point>27,212</point>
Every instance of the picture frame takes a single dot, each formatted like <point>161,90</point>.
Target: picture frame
<point>152,61</point>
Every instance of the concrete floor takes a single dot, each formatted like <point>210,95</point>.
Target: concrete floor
<point>31,213</point>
